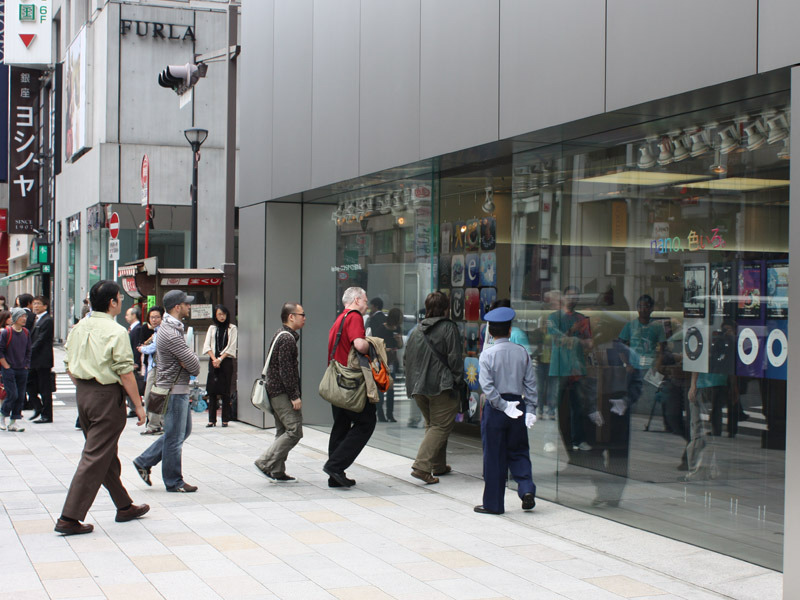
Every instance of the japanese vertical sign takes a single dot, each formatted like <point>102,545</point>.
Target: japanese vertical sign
<point>23,166</point>
<point>3,107</point>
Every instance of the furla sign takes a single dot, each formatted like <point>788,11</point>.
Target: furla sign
<point>159,31</point>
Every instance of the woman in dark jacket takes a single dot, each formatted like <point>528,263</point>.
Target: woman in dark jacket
<point>220,346</point>
<point>434,373</point>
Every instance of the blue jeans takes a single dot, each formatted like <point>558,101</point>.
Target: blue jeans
<point>14,381</point>
<point>168,447</point>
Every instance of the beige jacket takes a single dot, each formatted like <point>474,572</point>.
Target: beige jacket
<point>356,360</point>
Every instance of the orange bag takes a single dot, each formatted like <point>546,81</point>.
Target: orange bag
<point>380,374</point>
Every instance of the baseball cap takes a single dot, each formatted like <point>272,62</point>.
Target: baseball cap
<point>174,297</point>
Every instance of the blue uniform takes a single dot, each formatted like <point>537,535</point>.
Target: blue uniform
<point>506,375</point>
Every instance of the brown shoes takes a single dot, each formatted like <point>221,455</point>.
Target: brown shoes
<point>72,527</point>
<point>423,476</point>
<point>447,469</point>
<point>131,513</point>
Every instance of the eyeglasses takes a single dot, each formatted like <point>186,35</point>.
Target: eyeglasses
<point>300,314</point>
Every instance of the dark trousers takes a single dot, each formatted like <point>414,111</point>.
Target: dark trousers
<point>14,383</point>
<point>505,447</point>
<point>40,392</point>
<point>350,433</point>
<point>101,412</point>
<point>213,402</point>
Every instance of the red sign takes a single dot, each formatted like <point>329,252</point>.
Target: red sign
<point>27,38</point>
<point>130,287</point>
<point>113,225</point>
<point>205,281</point>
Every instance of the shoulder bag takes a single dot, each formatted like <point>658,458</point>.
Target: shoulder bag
<point>462,391</point>
<point>158,400</point>
<point>258,394</point>
<point>343,387</point>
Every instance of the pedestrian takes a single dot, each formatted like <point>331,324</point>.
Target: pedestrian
<point>15,359</point>
<point>40,385</point>
<point>99,361</point>
<point>3,303</point>
<point>506,377</point>
<point>176,363</point>
<point>24,301</point>
<point>283,390</point>
<point>388,329</point>
<point>351,430</point>
<point>135,332</point>
<point>220,346</point>
<point>148,350</point>
<point>434,371</point>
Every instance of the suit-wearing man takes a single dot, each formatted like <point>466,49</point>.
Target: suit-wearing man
<point>136,334</point>
<point>40,390</point>
<point>100,363</point>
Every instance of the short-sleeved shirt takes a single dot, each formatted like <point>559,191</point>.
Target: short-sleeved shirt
<point>643,341</point>
<point>99,348</point>
<point>568,358</point>
<point>353,329</point>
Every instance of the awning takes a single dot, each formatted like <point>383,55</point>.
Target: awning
<point>20,276</point>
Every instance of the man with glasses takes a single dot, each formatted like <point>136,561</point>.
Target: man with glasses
<point>100,362</point>
<point>351,431</point>
<point>283,389</point>
<point>176,363</point>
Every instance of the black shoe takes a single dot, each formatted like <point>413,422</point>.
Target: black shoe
<point>144,473</point>
<point>184,489</point>
<point>484,511</point>
<point>35,416</point>
<point>43,420</point>
<point>339,477</point>
<point>528,501</point>
<point>335,484</point>
<point>381,419</point>
<point>281,478</point>
<point>72,527</point>
<point>391,419</point>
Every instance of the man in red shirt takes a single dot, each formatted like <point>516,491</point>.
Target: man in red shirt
<point>351,431</point>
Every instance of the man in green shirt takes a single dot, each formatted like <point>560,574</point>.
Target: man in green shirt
<point>100,362</point>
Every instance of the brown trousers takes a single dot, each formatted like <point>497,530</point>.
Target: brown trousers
<point>102,414</point>
<point>440,418</point>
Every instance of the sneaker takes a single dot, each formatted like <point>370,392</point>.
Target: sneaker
<point>284,478</point>
<point>549,447</point>
<point>2,423</point>
<point>185,489</point>
<point>144,473</point>
<point>582,446</point>
<point>12,426</point>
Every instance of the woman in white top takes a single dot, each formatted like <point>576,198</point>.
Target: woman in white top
<point>220,346</point>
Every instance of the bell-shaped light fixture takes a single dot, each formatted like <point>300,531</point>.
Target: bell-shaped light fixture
<point>398,207</point>
<point>777,130</point>
<point>679,152</point>
<point>384,204</point>
<point>699,144</point>
<point>488,201</point>
<point>665,154</point>
<point>646,158</point>
<point>755,139</point>
<point>718,167</point>
<point>728,140</point>
<point>785,152</point>
<point>337,214</point>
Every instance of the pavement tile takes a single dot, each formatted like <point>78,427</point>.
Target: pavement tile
<point>83,587</point>
<point>131,591</point>
<point>70,569</point>
<point>158,563</point>
<point>34,526</point>
<point>624,586</point>
<point>364,592</point>
<point>454,559</point>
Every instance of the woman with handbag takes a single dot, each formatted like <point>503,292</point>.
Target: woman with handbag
<point>220,346</point>
<point>434,369</point>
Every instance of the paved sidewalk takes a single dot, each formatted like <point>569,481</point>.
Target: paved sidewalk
<point>242,536</point>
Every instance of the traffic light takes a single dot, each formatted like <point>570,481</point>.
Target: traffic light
<point>181,78</point>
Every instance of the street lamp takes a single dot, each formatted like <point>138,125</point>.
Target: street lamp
<point>195,136</point>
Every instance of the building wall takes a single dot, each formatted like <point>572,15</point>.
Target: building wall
<point>334,90</point>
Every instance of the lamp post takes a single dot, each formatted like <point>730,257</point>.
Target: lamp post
<point>195,136</point>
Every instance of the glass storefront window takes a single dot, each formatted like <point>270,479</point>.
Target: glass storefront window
<point>73,288</point>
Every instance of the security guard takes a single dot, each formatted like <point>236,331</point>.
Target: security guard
<point>506,377</point>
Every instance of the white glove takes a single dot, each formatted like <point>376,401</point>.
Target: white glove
<point>512,411</point>
<point>618,406</point>
<point>596,418</point>
<point>530,419</point>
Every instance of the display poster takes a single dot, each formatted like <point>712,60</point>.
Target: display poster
<point>488,296</point>
<point>694,291</point>
<point>472,302</point>
<point>422,232</point>
<point>777,348</point>
<point>472,270</point>
<point>777,290</point>
<point>457,304</point>
<point>488,269</point>
<point>471,338</point>
<point>457,271</point>
<point>749,290</point>
<point>76,96</point>
<point>447,234</point>
<point>720,291</point>
<point>445,270</point>
<point>459,233</point>
<point>472,373</point>
<point>751,353</point>
<point>488,233</point>
<point>473,235</point>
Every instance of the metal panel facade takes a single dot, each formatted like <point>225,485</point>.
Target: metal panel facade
<point>657,49</point>
<point>778,42</point>
<point>334,138</point>
<point>389,94</point>
<point>552,63</point>
<point>458,74</point>
<point>291,109</point>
